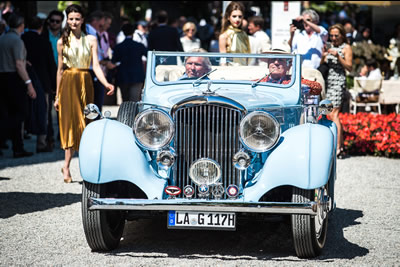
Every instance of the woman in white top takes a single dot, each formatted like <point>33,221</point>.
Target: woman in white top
<point>189,41</point>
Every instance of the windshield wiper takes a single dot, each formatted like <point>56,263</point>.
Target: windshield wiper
<point>254,84</point>
<point>197,82</point>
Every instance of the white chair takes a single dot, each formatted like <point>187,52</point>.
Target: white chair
<point>365,94</point>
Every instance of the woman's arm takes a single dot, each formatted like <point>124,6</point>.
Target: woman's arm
<point>347,61</point>
<point>96,66</point>
<point>60,71</point>
<point>222,43</point>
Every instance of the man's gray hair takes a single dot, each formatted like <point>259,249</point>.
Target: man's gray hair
<point>206,60</point>
<point>313,14</point>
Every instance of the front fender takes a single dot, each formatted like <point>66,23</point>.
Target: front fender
<point>303,158</point>
<point>108,152</point>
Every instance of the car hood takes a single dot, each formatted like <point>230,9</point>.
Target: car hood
<point>250,98</point>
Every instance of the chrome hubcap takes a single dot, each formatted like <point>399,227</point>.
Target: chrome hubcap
<point>323,206</point>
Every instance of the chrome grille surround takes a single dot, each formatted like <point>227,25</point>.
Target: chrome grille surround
<point>207,127</point>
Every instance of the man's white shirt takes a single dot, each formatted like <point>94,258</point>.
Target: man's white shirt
<point>259,42</point>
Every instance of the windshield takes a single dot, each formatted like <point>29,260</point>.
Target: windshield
<point>262,69</point>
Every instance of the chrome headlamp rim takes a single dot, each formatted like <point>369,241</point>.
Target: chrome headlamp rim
<point>276,125</point>
<point>140,115</point>
<point>216,164</point>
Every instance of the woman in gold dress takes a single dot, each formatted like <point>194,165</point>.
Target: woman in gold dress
<point>76,51</point>
<point>233,39</point>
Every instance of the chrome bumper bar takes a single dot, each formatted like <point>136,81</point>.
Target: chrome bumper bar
<point>309,208</point>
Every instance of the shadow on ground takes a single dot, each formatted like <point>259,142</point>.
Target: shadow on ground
<point>13,203</point>
<point>8,161</point>
<point>253,240</point>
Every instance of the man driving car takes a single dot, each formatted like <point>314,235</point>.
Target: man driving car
<point>196,67</point>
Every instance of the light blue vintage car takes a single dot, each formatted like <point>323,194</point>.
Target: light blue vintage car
<point>216,138</point>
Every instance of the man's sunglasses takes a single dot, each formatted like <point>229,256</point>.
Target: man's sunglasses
<point>55,21</point>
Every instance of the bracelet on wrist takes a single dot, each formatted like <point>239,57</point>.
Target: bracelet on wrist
<point>28,82</point>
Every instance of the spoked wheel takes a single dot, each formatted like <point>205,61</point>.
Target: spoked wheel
<point>103,229</point>
<point>309,232</point>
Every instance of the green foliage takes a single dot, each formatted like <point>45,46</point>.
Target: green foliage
<point>325,6</point>
<point>135,9</point>
<point>349,81</point>
<point>62,5</point>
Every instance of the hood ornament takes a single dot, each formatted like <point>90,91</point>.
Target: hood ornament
<point>208,91</point>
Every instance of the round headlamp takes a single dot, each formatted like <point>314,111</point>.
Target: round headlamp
<point>259,131</point>
<point>205,171</point>
<point>153,129</point>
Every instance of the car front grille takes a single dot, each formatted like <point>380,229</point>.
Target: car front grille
<point>206,131</point>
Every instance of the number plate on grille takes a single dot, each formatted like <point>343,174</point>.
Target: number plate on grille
<point>203,220</point>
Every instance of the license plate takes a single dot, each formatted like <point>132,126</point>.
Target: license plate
<point>202,220</point>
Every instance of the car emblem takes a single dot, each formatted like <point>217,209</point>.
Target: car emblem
<point>172,191</point>
<point>217,191</point>
<point>203,191</point>
<point>188,191</point>
<point>232,191</point>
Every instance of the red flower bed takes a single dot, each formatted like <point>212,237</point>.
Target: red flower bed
<point>371,134</point>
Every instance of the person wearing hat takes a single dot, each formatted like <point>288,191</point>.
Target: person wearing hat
<point>278,69</point>
<point>278,73</point>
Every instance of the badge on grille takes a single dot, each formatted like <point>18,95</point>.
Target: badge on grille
<point>232,191</point>
<point>188,191</point>
<point>203,191</point>
<point>172,191</point>
<point>217,191</point>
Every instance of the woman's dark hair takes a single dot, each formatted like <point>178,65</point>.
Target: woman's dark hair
<point>66,31</point>
<point>372,63</point>
<point>341,30</point>
<point>229,9</point>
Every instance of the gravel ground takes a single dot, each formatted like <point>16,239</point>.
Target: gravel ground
<point>40,223</point>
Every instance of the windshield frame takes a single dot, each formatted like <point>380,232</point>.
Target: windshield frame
<point>152,55</point>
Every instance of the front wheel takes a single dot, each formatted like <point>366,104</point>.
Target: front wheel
<point>103,229</point>
<point>127,112</point>
<point>309,232</point>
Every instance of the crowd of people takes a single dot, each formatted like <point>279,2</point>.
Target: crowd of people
<point>44,65</point>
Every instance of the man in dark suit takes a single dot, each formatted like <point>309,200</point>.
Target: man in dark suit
<point>41,69</point>
<point>164,37</point>
<point>127,58</point>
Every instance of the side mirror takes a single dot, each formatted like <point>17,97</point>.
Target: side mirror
<point>325,107</point>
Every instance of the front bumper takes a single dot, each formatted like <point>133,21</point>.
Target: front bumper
<point>309,208</point>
